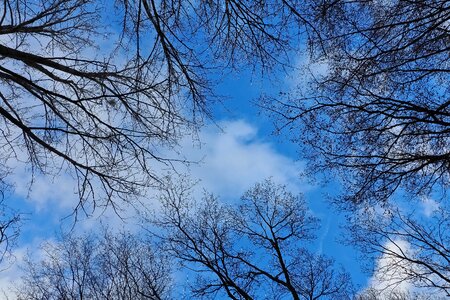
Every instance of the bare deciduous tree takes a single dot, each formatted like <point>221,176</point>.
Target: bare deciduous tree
<point>101,89</point>
<point>69,103</point>
<point>110,266</point>
<point>10,220</point>
<point>256,249</point>
<point>373,294</point>
<point>408,248</point>
<point>381,111</point>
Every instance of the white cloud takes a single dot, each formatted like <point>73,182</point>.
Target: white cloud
<point>44,191</point>
<point>232,156</point>
<point>235,158</point>
<point>12,270</point>
<point>390,273</point>
<point>57,191</point>
<point>11,277</point>
<point>307,70</point>
<point>429,206</point>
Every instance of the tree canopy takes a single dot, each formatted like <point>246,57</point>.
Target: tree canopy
<point>97,266</point>
<point>102,89</point>
<point>380,111</point>
<point>256,248</point>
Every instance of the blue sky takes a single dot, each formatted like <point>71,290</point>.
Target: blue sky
<point>234,150</point>
<point>234,153</point>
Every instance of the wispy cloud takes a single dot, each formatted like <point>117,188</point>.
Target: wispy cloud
<point>233,157</point>
<point>390,273</point>
<point>429,206</point>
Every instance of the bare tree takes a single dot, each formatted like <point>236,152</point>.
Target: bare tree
<point>373,294</point>
<point>9,231</point>
<point>122,266</point>
<point>256,249</point>
<point>101,89</point>
<point>70,104</point>
<point>10,220</point>
<point>408,248</point>
<point>380,113</point>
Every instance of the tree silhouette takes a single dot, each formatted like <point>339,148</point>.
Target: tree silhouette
<point>101,90</point>
<point>409,247</point>
<point>106,266</point>
<point>380,112</point>
<point>255,249</point>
